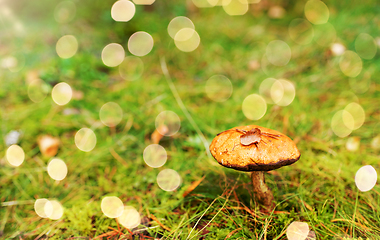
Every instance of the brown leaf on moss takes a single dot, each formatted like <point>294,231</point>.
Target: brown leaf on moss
<point>158,133</point>
<point>193,186</point>
<point>48,145</point>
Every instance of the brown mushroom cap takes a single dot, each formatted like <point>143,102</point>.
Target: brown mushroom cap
<point>229,152</point>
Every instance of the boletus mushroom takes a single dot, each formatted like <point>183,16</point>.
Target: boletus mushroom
<point>255,149</point>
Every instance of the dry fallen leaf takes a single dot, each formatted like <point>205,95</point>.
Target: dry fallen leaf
<point>159,133</point>
<point>48,145</point>
<point>193,186</point>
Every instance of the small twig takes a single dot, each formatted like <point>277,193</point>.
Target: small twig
<point>237,199</point>
<point>112,233</point>
<point>282,233</point>
<point>118,158</point>
<point>48,229</point>
<point>159,223</point>
<point>144,229</point>
<point>128,125</point>
<point>116,230</point>
<point>21,202</point>
<point>128,230</point>
<point>351,222</point>
<point>327,229</point>
<point>76,238</point>
<point>281,212</point>
<point>250,212</point>
<point>232,233</point>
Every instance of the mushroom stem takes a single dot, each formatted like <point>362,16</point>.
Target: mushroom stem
<point>262,192</point>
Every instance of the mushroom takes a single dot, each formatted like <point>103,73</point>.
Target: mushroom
<point>255,149</point>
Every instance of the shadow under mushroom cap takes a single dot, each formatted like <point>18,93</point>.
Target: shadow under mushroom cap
<point>274,153</point>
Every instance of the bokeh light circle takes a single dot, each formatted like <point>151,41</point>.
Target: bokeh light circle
<point>317,12</point>
<point>353,144</point>
<point>366,178</point>
<point>140,43</point>
<point>301,31</point>
<point>131,68</point>
<point>375,143</point>
<point>297,231</point>
<point>112,207</point>
<point>61,93</point>
<point>168,180</point>
<point>358,114</point>
<point>216,2</point>
<point>235,7</point>
<point>365,46</point>
<point>123,11</point>
<point>361,83</point>
<point>43,207</point>
<point>38,90</point>
<point>218,88</point>
<point>254,107</point>
<point>155,155</point>
<point>113,54</point>
<point>64,12</point>
<point>346,97</point>
<point>67,46</point>
<point>249,1</point>
<point>85,139</point>
<point>177,24</point>
<point>282,92</point>
<point>340,121</point>
<point>15,155</point>
<point>350,63</point>
<point>202,3</point>
<point>9,62</point>
<point>324,34</point>
<point>110,114</point>
<point>144,2</point>
<point>277,91</point>
<point>169,119</point>
<point>187,40</point>
<point>265,89</point>
<point>348,120</point>
<point>337,49</point>
<point>57,210</point>
<point>14,62</point>
<point>278,53</point>
<point>130,217</point>
<point>57,169</point>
